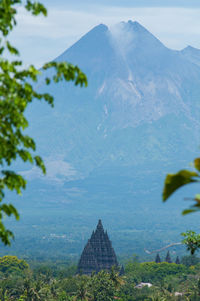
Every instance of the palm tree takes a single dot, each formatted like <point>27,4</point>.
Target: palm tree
<point>117,280</point>
<point>30,291</point>
<point>82,292</point>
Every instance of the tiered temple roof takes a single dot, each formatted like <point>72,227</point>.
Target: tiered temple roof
<point>98,253</point>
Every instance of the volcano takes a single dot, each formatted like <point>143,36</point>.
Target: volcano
<point>108,147</point>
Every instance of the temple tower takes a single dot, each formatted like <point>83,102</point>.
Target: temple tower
<point>158,260</point>
<point>168,258</point>
<point>98,253</point>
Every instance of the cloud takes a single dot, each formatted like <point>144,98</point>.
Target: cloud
<point>58,171</point>
<point>122,38</point>
<point>41,39</point>
<point>87,4</point>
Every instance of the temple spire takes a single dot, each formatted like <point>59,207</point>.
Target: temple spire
<point>158,260</point>
<point>99,226</point>
<point>100,223</point>
<point>168,258</point>
<point>98,253</point>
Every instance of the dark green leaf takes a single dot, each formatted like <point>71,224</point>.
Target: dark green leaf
<point>197,163</point>
<point>11,49</point>
<point>9,210</point>
<point>187,211</point>
<point>175,181</point>
<point>39,162</point>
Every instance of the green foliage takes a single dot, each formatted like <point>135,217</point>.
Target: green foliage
<point>69,285</point>
<point>83,289</point>
<point>192,241</point>
<point>153,272</point>
<point>101,287</point>
<point>174,181</point>
<point>16,93</point>
<point>10,264</point>
<point>166,279</point>
<point>191,260</point>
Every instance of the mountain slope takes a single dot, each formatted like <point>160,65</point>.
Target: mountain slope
<point>108,147</point>
<point>139,84</point>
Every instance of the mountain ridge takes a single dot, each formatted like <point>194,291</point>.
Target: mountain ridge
<point>108,147</point>
<point>120,87</point>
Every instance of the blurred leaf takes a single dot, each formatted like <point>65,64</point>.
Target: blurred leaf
<point>39,162</point>
<point>36,8</point>
<point>11,49</point>
<point>197,163</point>
<point>197,197</point>
<point>175,181</point>
<point>187,211</point>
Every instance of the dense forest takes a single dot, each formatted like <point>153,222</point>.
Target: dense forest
<point>58,281</point>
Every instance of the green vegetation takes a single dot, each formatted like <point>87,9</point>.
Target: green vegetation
<point>154,272</point>
<point>180,179</point>
<point>48,282</point>
<point>9,264</point>
<point>16,93</point>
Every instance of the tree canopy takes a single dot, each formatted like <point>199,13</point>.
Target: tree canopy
<point>16,93</point>
<point>10,264</point>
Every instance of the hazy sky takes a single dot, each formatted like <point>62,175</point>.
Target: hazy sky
<point>175,22</point>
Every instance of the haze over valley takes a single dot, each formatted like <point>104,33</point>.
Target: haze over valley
<point>108,147</point>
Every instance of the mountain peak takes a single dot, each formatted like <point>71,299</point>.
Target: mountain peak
<point>133,26</point>
<point>131,36</point>
<point>190,48</point>
<point>96,39</point>
<point>136,26</point>
<point>192,54</point>
<point>100,27</point>
<point>95,32</point>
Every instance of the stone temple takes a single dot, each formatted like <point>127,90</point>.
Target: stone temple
<point>98,253</point>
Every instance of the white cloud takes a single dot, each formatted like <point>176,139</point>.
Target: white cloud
<point>122,38</point>
<point>41,39</point>
<point>58,171</point>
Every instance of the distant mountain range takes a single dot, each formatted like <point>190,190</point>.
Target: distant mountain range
<point>108,147</point>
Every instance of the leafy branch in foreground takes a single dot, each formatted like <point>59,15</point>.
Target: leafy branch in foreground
<point>192,241</point>
<point>16,93</point>
<point>174,181</point>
